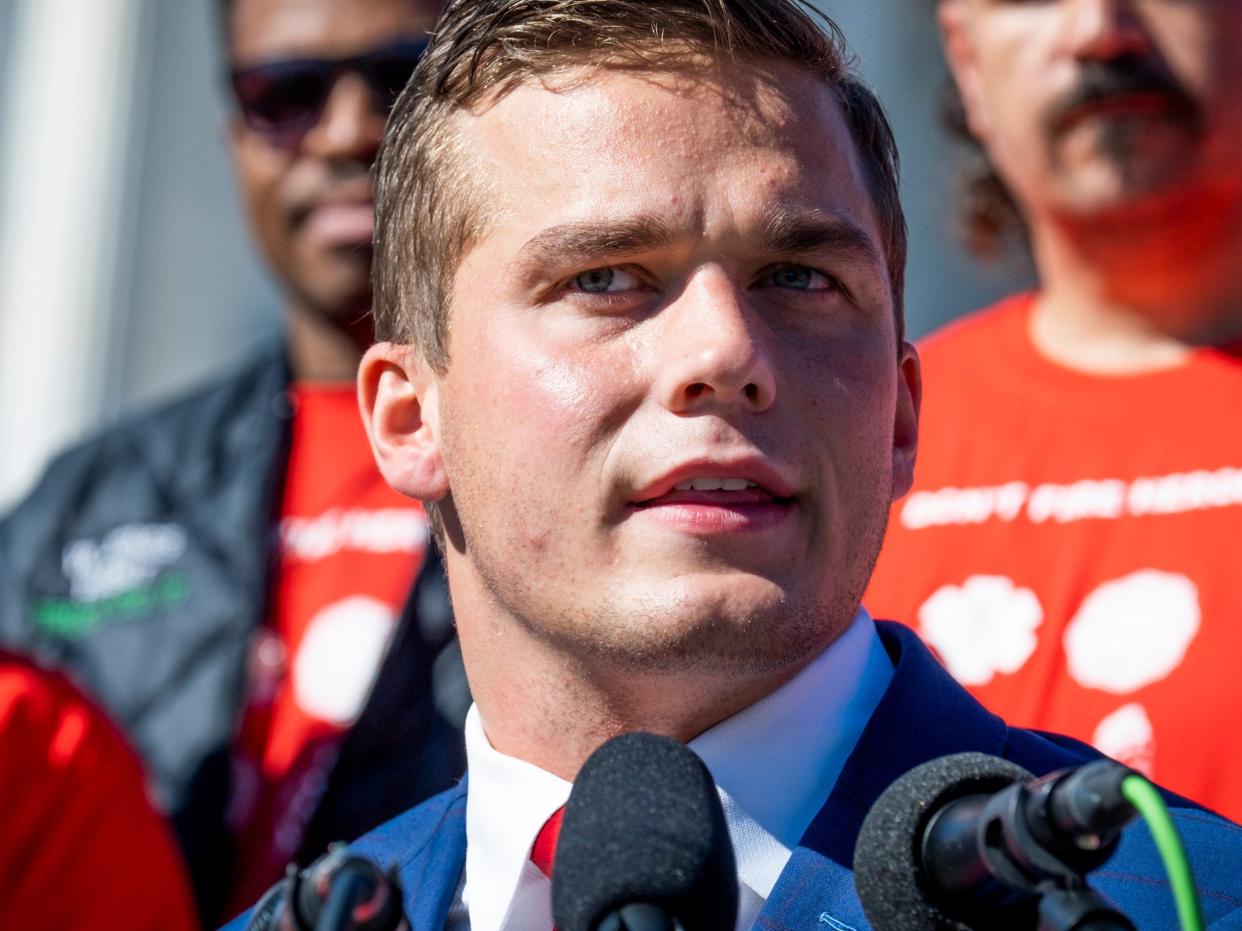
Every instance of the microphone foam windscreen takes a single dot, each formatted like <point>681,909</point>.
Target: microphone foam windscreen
<point>887,863</point>
<point>644,824</point>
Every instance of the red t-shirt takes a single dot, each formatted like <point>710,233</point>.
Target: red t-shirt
<point>1069,547</point>
<point>348,552</point>
<point>80,845</point>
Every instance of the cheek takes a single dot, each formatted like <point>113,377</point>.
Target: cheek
<point>537,423</point>
<point>1211,68</point>
<point>260,171</point>
<point>568,399</point>
<point>587,401</point>
<point>1197,39</point>
<point>1015,117</point>
<point>1014,61</point>
<point>530,458</point>
<point>853,372</point>
<point>850,392</point>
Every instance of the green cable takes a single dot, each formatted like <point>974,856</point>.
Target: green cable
<point>1145,797</point>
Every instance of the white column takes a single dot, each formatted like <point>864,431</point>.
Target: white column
<point>68,119</point>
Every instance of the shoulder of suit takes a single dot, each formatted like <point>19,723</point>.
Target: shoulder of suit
<point>404,837</point>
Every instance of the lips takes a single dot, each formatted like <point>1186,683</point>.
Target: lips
<point>340,223</point>
<point>746,480</point>
<point>1120,106</point>
<point>718,500</point>
<point>718,515</point>
<point>753,495</point>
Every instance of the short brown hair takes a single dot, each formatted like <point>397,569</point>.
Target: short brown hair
<point>427,210</point>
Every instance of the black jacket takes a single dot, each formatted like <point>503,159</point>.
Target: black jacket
<point>140,563</point>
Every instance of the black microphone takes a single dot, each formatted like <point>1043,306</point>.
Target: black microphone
<point>973,841</point>
<point>338,892</point>
<point>644,845</point>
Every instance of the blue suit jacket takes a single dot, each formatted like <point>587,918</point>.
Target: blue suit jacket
<point>923,715</point>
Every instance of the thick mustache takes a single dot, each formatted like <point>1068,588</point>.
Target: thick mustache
<point>1127,76</point>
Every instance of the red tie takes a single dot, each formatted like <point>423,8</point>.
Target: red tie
<point>543,852</point>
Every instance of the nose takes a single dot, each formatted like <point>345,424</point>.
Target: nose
<point>351,125</point>
<point>1105,29</point>
<point>711,357</point>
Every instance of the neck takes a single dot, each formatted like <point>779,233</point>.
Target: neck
<point>1136,292</point>
<point>553,710</point>
<point>321,349</point>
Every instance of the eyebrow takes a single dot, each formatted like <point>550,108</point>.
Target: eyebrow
<point>794,232</point>
<point>594,240</point>
<point>784,232</point>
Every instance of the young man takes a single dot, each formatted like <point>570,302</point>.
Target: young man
<point>226,573</point>
<point>1068,548</point>
<point>639,268</point>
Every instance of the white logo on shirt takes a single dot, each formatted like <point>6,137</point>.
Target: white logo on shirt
<point>1088,499</point>
<point>1127,735</point>
<point>983,627</point>
<point>340,656</point>
<point>130,556</point>
<point>379,530</point>
<point>1132,631</point>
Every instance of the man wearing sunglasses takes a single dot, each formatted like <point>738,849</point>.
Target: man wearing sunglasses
<point>229,574</point>
<point>313,81</point>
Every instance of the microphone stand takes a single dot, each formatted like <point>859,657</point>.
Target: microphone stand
<point>342,892</point>
<point>1079,908</point>
<point>1023,858</point>
<point>353,884</point>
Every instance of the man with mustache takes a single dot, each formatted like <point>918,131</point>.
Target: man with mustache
<point>1068,547</point>
<point>229,574</point>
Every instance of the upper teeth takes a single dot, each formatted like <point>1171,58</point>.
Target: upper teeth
<point>715,484</point>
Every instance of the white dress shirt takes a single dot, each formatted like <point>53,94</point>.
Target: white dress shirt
<point>774,764</point>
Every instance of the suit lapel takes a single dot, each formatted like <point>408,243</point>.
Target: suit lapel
<point>923,715</point>
<point>431,873</point>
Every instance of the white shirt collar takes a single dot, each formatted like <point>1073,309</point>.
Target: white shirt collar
<point>774,763</point>
<point>507,803</point>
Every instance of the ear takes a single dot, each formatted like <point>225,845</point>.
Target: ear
<point>398,395</point>
<point>906,419</point>
<point>953,17</point>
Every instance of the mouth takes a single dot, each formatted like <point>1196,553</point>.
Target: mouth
<point>1120,106</point>
<point>707,501</point>
<point>339,223</point>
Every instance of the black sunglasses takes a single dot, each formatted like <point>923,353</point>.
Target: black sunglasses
<point>283,100</point>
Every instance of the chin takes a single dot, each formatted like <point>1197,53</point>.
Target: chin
<point>344,303</point>
<point>1123,181</point>
<point>741,627</point>
<point>1117,199</point>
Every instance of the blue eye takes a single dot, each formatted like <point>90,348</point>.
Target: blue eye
<point>800,278</point>
<point>608,279</point>
<point>595,281</point>
<point>793,277</point>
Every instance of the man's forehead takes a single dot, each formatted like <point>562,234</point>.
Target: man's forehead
<point>756,97</point>
<point>262,29</point>
<point>637,141</point>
